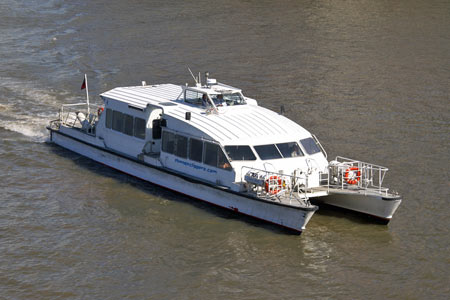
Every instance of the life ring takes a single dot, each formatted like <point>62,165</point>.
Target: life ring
<point>99,111</point>
<point>270,181</point>
<point>350,177</point>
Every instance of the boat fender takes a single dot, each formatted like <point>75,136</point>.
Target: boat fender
<point>350,177</point>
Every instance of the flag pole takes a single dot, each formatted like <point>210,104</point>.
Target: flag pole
<point>87,93</point>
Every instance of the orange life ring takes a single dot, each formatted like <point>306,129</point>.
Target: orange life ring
<point>271,180</point>
<point>352,179</point>
<point>99,111</point>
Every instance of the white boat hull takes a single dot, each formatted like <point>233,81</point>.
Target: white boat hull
<point>382,207</point>
<point>292,217</point>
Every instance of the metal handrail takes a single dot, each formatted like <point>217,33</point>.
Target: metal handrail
<point>274,184</point>
<point>369,177</point>
<point>68,114</point>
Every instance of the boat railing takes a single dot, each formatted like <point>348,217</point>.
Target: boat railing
<point>272,185</point>
<point>346,173</point>
<point>79,115</point>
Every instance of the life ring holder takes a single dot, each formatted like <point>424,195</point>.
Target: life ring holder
<point>270,181</point>
<point>353,179</point>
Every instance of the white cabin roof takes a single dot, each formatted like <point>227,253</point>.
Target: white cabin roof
<point>140,96</point>
<point>233,125</point>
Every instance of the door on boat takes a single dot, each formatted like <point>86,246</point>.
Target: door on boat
<point>153,136</point>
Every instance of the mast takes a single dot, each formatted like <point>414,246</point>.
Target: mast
<point>87,93</point>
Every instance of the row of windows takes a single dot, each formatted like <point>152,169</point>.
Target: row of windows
<point>197,150</point>
<point>272,151</point>
<point>224,99</point>
<point>125,123</point>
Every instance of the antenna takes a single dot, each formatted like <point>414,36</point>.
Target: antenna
<point>199,79</point>
<point>195,79</point>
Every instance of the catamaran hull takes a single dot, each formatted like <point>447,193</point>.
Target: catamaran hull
<point>381,207</point>
<point>291,217</point>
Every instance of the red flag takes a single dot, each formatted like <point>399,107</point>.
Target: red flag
<point>83,85</point>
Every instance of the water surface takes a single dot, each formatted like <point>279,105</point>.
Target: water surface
<point>370,78</point>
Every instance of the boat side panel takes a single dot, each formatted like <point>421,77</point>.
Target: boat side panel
<point>290,217</point>
<point>373,205</point>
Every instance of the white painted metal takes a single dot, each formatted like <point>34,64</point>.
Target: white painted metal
<point>364,202</point>
<point>292,217</point>
<point>285,184</point>
<point>239,125</point>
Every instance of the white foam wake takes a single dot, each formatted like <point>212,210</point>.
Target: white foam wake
<point>33,129</point>
<point>26,108</point>
<point>30,126</point>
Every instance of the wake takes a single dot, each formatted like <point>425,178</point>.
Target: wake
<point>27,109</point>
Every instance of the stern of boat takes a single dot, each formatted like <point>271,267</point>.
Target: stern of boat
<point>357,186</point>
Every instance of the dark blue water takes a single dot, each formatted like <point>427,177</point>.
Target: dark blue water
<point>370,78</point>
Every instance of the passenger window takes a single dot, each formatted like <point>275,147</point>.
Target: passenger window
<point>215,157</point>
<point>222,160</point>
<point>195,150</point>
<point>267,152</point>
<point>156,129</point>
<point>290,149</point>
<point>117,123</point>
<point>211,154</point>
<point>240,153</point>
<point>128,124</point>
<point>139,128</point>
<point>181,149</point>
<point>109,117</point>
<point>168,142</point>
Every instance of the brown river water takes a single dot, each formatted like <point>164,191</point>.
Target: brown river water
<point>370,78</point>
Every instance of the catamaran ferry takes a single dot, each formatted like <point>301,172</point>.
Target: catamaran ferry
<point>212,143</point>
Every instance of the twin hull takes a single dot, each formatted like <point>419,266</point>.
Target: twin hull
<point>372,204</point>
<point>292,217</point>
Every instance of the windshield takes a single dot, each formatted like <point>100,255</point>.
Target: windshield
<point>310,146</point>
<point>268,152</point>
<point>290,149</point>
<point>240,153</point>
<point>282,150</point>
<point>228,99</point>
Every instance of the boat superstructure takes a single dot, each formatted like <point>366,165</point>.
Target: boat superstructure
<point>213,143</point>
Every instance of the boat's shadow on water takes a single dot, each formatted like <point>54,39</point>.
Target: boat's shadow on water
<point>156,191</point>
<point>357,217</point>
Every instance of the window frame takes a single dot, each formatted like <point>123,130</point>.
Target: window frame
<point>313,143</point>
<point>109,118</point>
<point>139,133</point>
<point>184,152</point>
<point>238,146</point>
<point>164,144</point>
<point>128,130</point>
<point>221,159</point>
<point>117,120</point>
<point>278,151</point>
<point>190,148</point>
<point>290,154</point>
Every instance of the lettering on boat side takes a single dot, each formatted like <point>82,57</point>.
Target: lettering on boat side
<point>195,166</point>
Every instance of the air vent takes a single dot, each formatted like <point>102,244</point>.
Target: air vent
<point>168,104</point>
